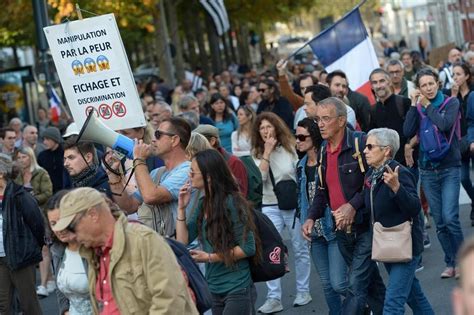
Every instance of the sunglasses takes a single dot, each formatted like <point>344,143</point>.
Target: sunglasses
<point>72,226</point>
<point>370,146</point>
<point>160,133</point>
<point>301,137</point>
<point>262,90</point>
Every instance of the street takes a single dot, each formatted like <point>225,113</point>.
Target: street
<point>436,289</point>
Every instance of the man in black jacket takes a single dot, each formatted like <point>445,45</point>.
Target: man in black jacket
<point>273,102</point>
<point>21,240</point>
<point>82,164</point>
<point>51,159</point>
<point>341,179</point>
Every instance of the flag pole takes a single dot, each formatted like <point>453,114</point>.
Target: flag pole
<point>361,3</point>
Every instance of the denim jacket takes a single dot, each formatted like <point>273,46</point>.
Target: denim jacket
<point>327,222</point>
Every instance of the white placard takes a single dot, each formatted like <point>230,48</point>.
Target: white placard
<point>94,71</point>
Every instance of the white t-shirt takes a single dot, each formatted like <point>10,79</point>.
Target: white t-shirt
<point>72,282</point>
<point>240,144</point>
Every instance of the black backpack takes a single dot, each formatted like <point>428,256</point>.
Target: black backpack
<point>274,253</point>
<point>197,282</point>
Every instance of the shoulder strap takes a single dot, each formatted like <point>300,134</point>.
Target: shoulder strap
<point>272,179</point>
<point>320,166</point>
<point>159,174</point>
<point>357,155</point>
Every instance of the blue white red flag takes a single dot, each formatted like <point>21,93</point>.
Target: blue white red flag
<point>347,46</point>
<point>54,104</point>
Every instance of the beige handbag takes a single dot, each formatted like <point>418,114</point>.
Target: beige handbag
<point>390,244</point>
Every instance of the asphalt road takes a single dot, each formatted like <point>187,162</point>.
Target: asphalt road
<point>436,289</point>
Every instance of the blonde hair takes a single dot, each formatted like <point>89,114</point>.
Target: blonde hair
<point>197,143</point>
<point>31,154</point>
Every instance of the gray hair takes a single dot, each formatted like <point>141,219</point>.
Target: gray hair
<point>340,105</point>
<point>382,71</point>
<point>468,55</point>
<point>394,62</point>
<point>388,137</point>
<point>164,105</point>
<point>185,101</point>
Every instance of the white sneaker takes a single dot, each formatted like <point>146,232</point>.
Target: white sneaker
<point>51,286</point>
<point>271,306</point>
<point>42,291</point>
<point>302,298</point>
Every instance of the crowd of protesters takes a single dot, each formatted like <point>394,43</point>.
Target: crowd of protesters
<point>216,149</point>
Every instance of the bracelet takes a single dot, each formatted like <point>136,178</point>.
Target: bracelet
<point>138,161</point>
<point>182,220</point>
<point>209,255</point>
<point>117,182</point>
<point>268,161</point>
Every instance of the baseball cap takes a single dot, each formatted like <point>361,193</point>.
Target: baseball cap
<point>207,131</point>
<point>74,202</point>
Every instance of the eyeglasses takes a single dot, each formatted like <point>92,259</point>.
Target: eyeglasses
<point>301,137</point>
<point>396,72</point>
<point>160,133</point>
<point>262,90</point>
<point>72,226</point>
<point>324,119</point>
<point>192,173</point>
<point>370,146</point>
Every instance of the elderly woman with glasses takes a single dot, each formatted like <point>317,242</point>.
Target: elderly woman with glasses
<point>391,197</point>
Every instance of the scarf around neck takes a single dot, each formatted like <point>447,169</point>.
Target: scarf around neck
<point>86,177</point>
<point>377,173</point>
<point>438,100</point>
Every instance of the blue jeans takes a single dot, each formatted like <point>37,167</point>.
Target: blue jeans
<point>365,284</point>
<point>403,287</point>
<point>442,192</point>
<point>332,269</point>
<point>466,177</point>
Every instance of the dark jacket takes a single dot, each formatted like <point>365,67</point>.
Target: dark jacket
<point>361,106</point>
<point>57,255</point>
<point>203,120</point>
<point>351,178</point>
<point>444,121</point>
<point>100,182</point>
<point>23,227</point>
<point>391,209</point>
<point>52,162</point>
<point>391,114</point>
<point>281,107</point>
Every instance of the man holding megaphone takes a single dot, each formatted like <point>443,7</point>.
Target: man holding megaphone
<point>156,200</point>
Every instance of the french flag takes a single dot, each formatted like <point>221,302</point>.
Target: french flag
<point>347,46</point>
<point>54,104</point>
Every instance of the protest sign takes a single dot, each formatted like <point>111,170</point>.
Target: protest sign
<point>94,71</point>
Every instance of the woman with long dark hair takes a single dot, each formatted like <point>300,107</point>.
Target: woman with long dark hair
<point>224,119</point>
<point>223,223</point>
<point>273,150</point>
<point>462,89</point>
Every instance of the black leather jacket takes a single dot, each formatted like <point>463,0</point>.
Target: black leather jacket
<point>23,227</point>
